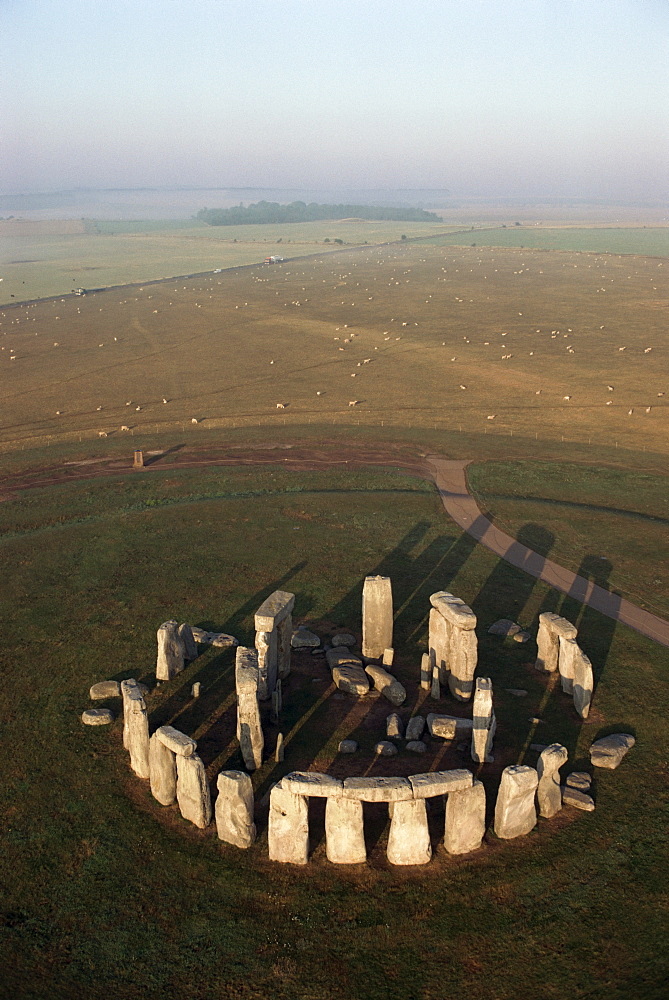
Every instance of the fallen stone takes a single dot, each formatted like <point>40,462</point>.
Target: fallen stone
<point>221,640</point>
<point>378,789</point>
<point>234,809</point>
<point>341,655</point>
<point>516,692</point>
<point>448,726</point>
<point>351,678</point>
<point>105,689</point>
<point>193,794</point>
<point>312,783</point>
<point>97,717</point>
<point>538,747</point>
<point>188,640</point>
<point>549,794</point>
<point>388,685</point>
<point>177,742</point>
<point>279,751</point>
<point>317,652</point>
<point>385,749</point>
<point>377,616</point>
<point>522,637</point>
<point>394,726</point>
<point>426,786</point>
<point>171,653</point>
<point>415,727</point>
<point>348,746</point>
<point>515,812</point>
<point>610,750</point>
<point>578,799</point>
<point>343,639</point>
<point>162,772</point>
<point>465,819</point>
<point>200,634</point>
<point>344,831</point>
<point>416,746</point>
<point>409,837</point>
<point>302,638</point>
<point>288,827</point>
<point>580,780</point>
<point>504,627</point>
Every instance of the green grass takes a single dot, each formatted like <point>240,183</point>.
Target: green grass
<point>606,523</point>
<point>651,240</point>
<point>104,892</point>
<point>399,329</point>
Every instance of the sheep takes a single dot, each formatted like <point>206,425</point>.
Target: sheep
<point>281,406</point>
<point>566,397</point>
<point>353,402</point>
<point>124,427</point>
<point>102,434</point>
<point>463,386</point>
<point>164,400</point>
<point>647,350</point>
<point>610,388</point>
<point>492,416</point>
<point>193,420</point>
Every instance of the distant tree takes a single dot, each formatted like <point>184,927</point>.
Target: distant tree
<point>403,236</point>
<point>326,240</point>
<point>516,223</point>
<point>340,242</point>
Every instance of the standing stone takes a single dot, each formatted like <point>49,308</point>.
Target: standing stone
<point>129,690</point>
<point>549,794</point>
<point>415,727</point>
<point>195,689</point>
<point>193,793</point>
<point>136,725</point>
<point>453,642</point>
<point>409,837</point>
<point>551,628</point>
<point>484,723</point>
<point>344,831</point>
<point>279,751</point>
<point>288,827</point>
<point>583,683</point>
<point>463,660</point>
<point>388,685</point>
<point>377,616</point>
<point>189,644</point>
<point>234,809</point>
<point>275,710</point>
<point>425,672</point>
<point>162,772</point>
<point>388,657</point>
<point>567,651</point>
<point>274,633</point>
<point>249,728</point>
<point>171,652</point>
<point>465,819</point>
<point>515,812</point>
<point>394,727</point>
<point>435,690</point>
<point>439,640</point>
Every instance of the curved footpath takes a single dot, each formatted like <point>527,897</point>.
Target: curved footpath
<point>451,481</point>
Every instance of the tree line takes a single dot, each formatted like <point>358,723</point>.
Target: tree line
<point>299,211</point>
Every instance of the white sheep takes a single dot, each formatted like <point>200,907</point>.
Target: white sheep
<point>281,406</point>
<point>102,434</point>
<point>353,402</point>
<point>193,420</point>
<point>124,427</point>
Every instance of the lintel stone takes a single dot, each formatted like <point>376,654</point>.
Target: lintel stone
<point>378,789</point>
<point>312,783</point>
<point>274,610</point>
<point>432,783</point>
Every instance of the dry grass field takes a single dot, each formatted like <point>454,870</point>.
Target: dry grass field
<point>530,343</point>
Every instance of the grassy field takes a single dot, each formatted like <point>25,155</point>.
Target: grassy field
<point>41,262</point>
<point>106,892</point>
<point>510,342</point>
<point>650,241</point>
<point>606,523</point>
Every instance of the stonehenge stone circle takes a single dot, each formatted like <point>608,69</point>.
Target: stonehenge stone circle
<point>483,722</point>
<point>453,642</point>
<point>274,633</point>
<point>234,809</point>
<point>409,837</point>
<point>549,794</point>
<point>171,652</point>
<point>388,685</point>
<point>515,812</point>
<point>193,795</point>
<point>162,772</point>
<point>465,819</point>
<point>249,727</point>
<point>377,616</point>
<point>288,826</point>
<point>344,831</point>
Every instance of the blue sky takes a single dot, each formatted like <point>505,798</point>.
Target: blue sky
<point>564,98</point>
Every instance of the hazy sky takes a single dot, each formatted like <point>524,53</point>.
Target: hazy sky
<point>483,97</point>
